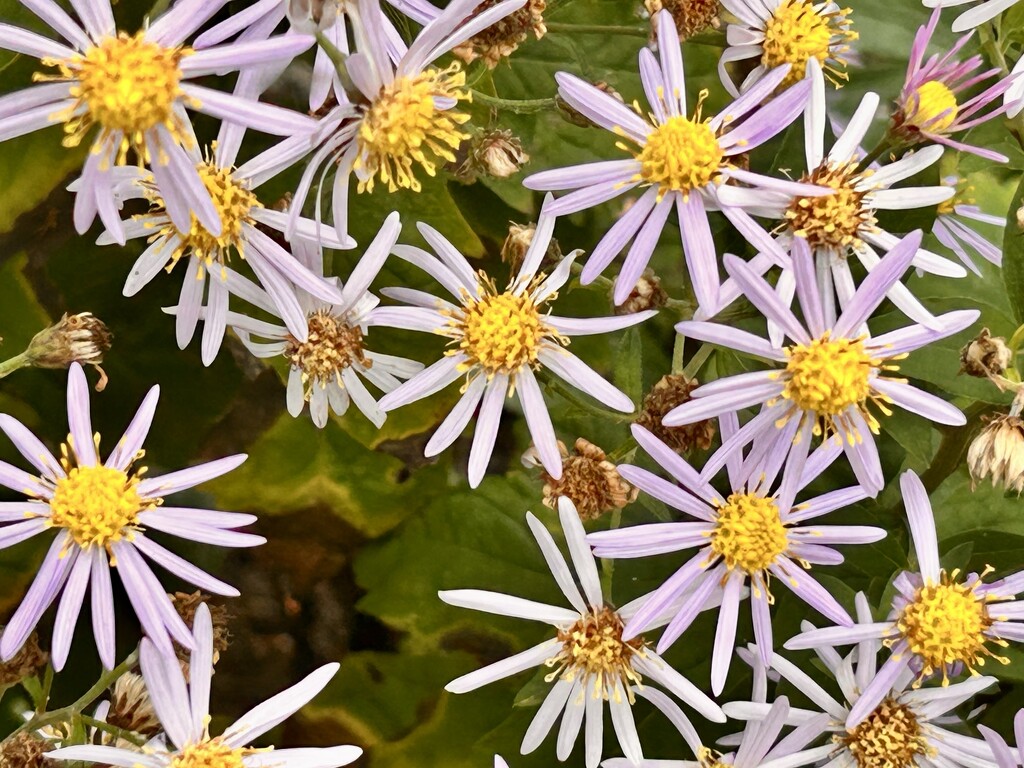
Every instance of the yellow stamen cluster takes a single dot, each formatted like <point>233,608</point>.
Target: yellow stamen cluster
<point>404,127</point>
<point>593,647</point>
<point>890,737</point>
<point>932,107</point>
<point>832,221</point>
<point>798,31</point>
<point>332,346</point>
<point>947,623</point>
<point>97,505</point>
<point>680,155</point>
<point>209,754</point>
<point>234,203</point>
<point>749,534</point>
<point>128,85</point>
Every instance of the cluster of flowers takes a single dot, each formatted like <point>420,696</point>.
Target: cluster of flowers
<point>388,114</point>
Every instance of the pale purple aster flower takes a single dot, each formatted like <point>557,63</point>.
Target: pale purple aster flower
<point>940,623</point>
<point>833,370</point>
<point>845,223</point>
<point>980,12</point>
<point>751,535</point>
<point>184,711</point>
<point>137,89</point>
<point>777,32</point>
<point>101,511</point>
<point>206,255</point>
<point>929,107</point>
<point>590,660</point>
<point>411,116</point>
<point>954,229</point>
<point>910,728</point>
<point>681,162</point>
<point>327,369</point>
<point>1004,755</point>
<point>1013,99</point>
<point>498,339</point>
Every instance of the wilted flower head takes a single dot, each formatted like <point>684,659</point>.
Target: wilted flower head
<point>646,294</point>
<point>588,479</point>
<point>985,356</point>
<point>497,153</point>
<point>671,391</point>
<point>27,662</point>
<point>131,709</point>
<point>23,750</point>
<point>517,244</point>
<point>186,604</point>
<point>501,39</point>
<point>999,451</point>
<point>691,16</point>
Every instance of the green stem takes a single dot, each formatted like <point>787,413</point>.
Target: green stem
<point>698,360</point>
<point>953,446</point>
<point>608,566</point>
<point>516,106</point>
<point>556,385</point>
<point>338,59</point>
<point>597,29</point>
<point>44,695</point>
<point>1016,340</point>
<point>677,353</point>
<point>884,145</point>
<point>7,367</point>
<point>113,730</point>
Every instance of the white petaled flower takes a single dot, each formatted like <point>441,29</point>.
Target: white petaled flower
<point>184,712</point>
<point>327,369</point>
<point>136,90</point>
<point>955,222</point>
<point>777,32</point>
<point>1004,755</point>
<point>101,512</point>
<point>498,340</point>
<point>980,11</point>
<point>591,664</point>
<point>910,728</point>
<point>205,255</point>
<point>941,623</point>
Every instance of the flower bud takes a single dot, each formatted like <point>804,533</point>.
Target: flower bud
<point>691,16</point>
<point>588,479</point>
<point>80,338</point>
<point>502,38</point>
<point>311,16</point>
<point>498,154</point>
<point>999,451</point>
<point>985,356</point>
<point>670,391</point>
<point>517,243</point>
<point>647,294</point>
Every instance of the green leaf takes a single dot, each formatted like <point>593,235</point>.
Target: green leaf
<point>1013,255</point>
<point>629,365</point>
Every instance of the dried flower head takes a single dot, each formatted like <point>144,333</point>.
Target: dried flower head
<point>186,605</point>
<point>131,708</point>
<point>690,16</point>
<point>80,338</point>
<point>999,451</point>
<point>985,356</point>
<point>501,39</point>
<point>497,153</point>
<point>588,479</point>
<point>517,243</point>
<point>647,294</point>
<point>26,663</point>
<point>671,391</point>
<point>25,750</point>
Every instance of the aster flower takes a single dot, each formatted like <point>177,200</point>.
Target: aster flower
<point>908,729</point>
<point>205,255</point>
<point>498,339</point>
<point>590,660</point>
<point>833,371</point>
<point>326,370</point>
<point>940,623</point>
<point>1004,755</point>
<point>980,12</point>
<point>954,230</point>
<point>692,181</point>
<point>1013,99</point>
<point>101,512</point>
<point>751,535</point>
<point>929,108</point>
<point>411,118</point>
<point>791,32</point>
<point>845,223</point>
<point>184,712</point>
<point>136,89</point>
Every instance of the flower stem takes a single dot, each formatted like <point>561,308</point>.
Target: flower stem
<point>8,367</point>
<point>338,59</point>
<point>597,29</point>
<point>113,730</point>
<point>516,106</point>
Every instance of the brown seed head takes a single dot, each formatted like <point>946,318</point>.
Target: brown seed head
<point>502,38</point>
<point>25,663</point>
<point>131,708</point>
<point>670,391</point>
<point>517,243</point>
<point>24,751</point>
<point>588,479</point>
<point>498,154</point>
<point>186,605</point>
<point>985,356</point>
<point>647,294</point>
<point>691,16</point>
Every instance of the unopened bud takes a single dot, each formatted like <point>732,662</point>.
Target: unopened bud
<point>494,153</point>
<point>985,356</point>
<point>572,115</point>
<point>671,391</point>
<point>80,338</point>
<point>588,479</point>
<point>504,36</point>
<point>647,294</point>
<point>27,662</point>
<point>311,16</point>
<point>517,243</point>
<point>691,16</point>
<point>131,709</point>
<point>998,451</point>
<point>186,605</point>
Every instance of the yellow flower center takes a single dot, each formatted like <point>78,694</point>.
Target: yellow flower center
<point>681,155</point>
<point>209,754</point>
<point>404,126</point>
<point>332,346</point>
<point>799,31</point>
<point>233,202</point>
<point>500,332</point>
<point>890,737</point>
<point>97,505</point>
<point>749,533</point>
<point>126,84</point>
<point>594,647</point>
<point>832,221</point>
<point>945,624</point>
<point>933,107</point>
<point>826,376</point>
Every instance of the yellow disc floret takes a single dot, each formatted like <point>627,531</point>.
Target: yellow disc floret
<point>835,221</point>
<point>404,126</point>
<point>128,85</point>
<point>681,155</point>
<point>798,31</point>
<point>749,534</point>
<point>828,376</point>
<point>209,754</point>
<point>501,332</point>
<point>932,108</point>
<point>332,346</point>
<point>946,623</point>
<point>890,737</point>
<point>593,647</point>
<point>97,505</point>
